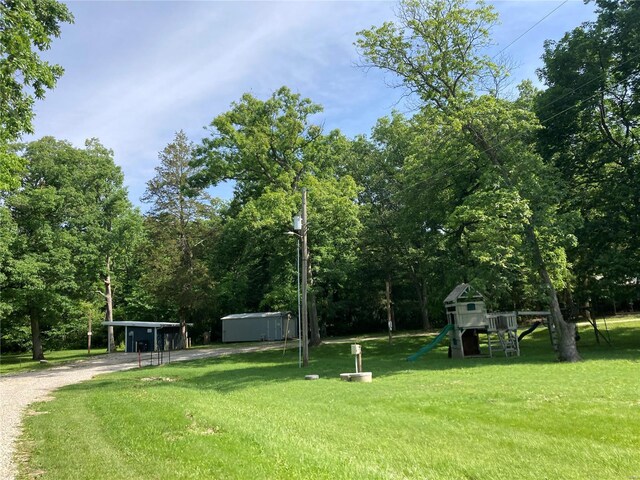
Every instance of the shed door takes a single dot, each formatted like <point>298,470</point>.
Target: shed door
<point>130,345</point>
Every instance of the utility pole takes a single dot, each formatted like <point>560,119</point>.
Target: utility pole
<point>305,263</point>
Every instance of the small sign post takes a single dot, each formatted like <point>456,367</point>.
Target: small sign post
<point>356,350</point>
<point>89,336</point>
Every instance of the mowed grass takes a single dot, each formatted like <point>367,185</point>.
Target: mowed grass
<point>22,362</point>
<point>253,416</point>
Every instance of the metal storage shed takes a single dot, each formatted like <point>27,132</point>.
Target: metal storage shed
<point>265,326</point>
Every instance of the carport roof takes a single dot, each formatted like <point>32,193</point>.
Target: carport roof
<point>143,324</point>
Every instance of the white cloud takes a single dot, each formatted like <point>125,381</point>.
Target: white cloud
<point>136,72</point>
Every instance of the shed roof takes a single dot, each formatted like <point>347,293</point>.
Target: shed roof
<point>143,324</point>
<point>238,316</point>
<point>463,290</point>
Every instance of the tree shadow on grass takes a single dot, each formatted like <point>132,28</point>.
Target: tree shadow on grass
<point>193,374</point>
<point>230,373</point>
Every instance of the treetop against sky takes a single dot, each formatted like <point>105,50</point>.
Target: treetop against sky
<point>137,72</point>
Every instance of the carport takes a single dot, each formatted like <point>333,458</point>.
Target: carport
<point>149,336</point>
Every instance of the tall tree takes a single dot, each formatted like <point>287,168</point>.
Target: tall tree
<point>591,115</point>
<point>58,249</point>
<point>436,50</point>
<point>271,149</point>
<point>26,28</point>
<point>394,241</point>
<point>109,222</point>
<point>175,220</point>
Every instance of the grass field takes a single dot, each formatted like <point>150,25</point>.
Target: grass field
<point>253,416</point>
<point>21,362</point>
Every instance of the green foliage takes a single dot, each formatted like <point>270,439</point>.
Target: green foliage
<point>64,222</point>
<point>271,150</point>
<point>26,28</point>
<point>519,196</point>
<point>261,144</point>
<point>175,278</point>
<point>435,49</point>
<point>11,166</point>
<point>591,110</point>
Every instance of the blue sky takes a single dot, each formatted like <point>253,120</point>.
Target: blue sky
<point>137,72</point>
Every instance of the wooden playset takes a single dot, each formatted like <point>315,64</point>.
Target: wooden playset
<point>468,323</point>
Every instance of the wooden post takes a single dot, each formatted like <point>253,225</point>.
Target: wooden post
<point>89,336</point>
<point>108,315</point>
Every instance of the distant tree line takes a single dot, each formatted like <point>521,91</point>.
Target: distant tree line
<point>533,197</point>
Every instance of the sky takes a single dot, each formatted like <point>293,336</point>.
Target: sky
<point>136,72</point>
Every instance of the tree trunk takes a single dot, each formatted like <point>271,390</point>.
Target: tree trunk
<point>421,293</point>
<point>89,334</point>
<point>424,311</point>
<point>108,315</point>
<point>393,313</point>
<point>587,310</point>
<point>36,342</point>
<point>315,339</point>
<point>393,317</point>
<point>587,303</point>
<point>567,349</point>
<point>186,294</point>
<point>182,318</point>
<point>390,325</point>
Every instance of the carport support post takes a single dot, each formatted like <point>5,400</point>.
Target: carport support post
<point>305,262</point>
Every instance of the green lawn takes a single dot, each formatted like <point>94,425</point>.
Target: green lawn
<point>21,362</point>
<point>254,417</point>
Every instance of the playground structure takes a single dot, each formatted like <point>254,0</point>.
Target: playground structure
<point>468,322</point>
<point>466,312</point>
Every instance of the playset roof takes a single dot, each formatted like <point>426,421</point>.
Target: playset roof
<point>465,292</point>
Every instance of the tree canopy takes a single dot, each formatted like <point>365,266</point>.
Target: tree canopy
<point>64,213</point>
<point>592,135</point>
<point>27,27</point>
<point>436,49</point>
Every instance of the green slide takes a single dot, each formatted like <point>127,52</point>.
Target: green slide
<point>430,346</point>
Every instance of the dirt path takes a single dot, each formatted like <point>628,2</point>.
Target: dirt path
<point>18,391</point>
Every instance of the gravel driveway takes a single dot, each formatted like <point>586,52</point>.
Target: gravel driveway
<point>20,390</point>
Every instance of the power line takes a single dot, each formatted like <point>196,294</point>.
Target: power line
<point>450,167</point>
<point>444,171</point>
<point>529,29</point>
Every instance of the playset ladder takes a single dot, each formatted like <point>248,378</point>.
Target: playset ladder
<point>507,343</point>
<point>553,334</point>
